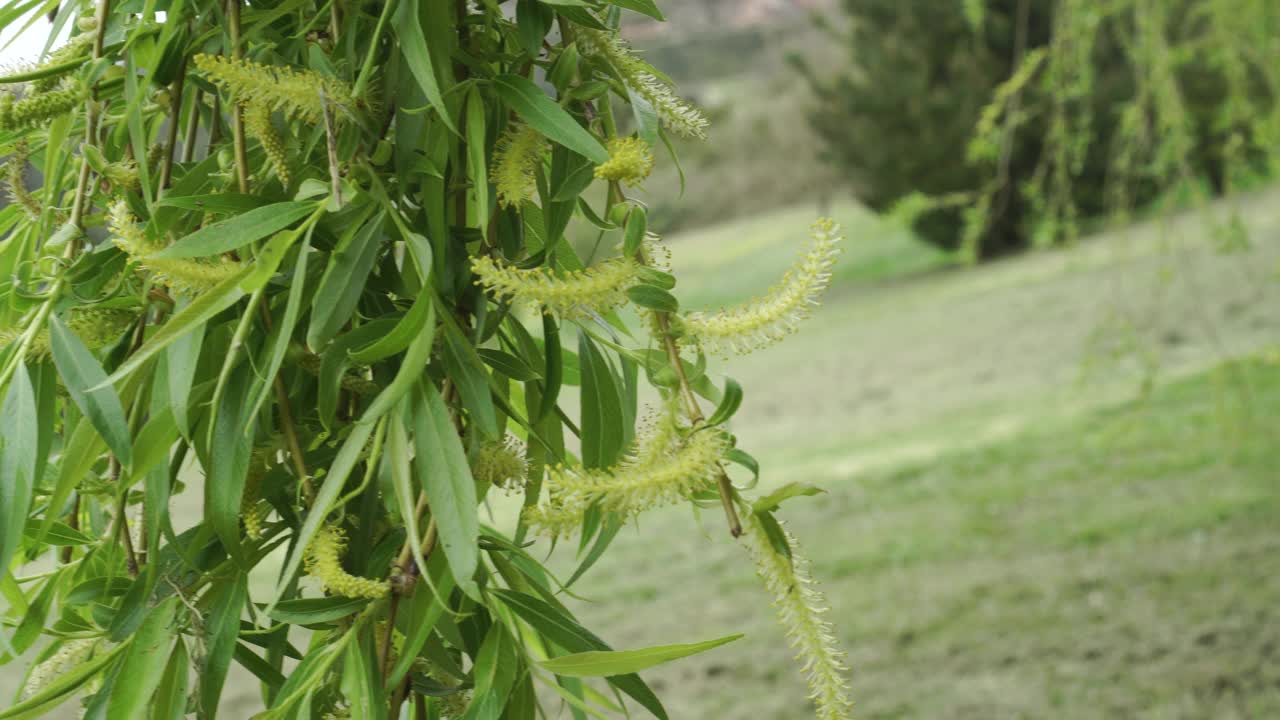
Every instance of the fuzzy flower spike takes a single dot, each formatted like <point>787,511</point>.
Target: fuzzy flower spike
<point>516,157</point>
<point>190,276</point>
<point>639,76</point>
<point>569,294</point>
<point>800,608</point>
<point>296,93</point>
<point>324,561</point>
<point>630,161</point>
<point>765,321</point>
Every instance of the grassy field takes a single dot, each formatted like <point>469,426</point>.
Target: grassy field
<point>1052,492</point>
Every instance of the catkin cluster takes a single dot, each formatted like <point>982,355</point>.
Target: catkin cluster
<point>67,657</point>
<point>765,321</point>
<point>639,77</point>
<point>257,118</point>
<point>252,510</point>
<point>180,274</point>
<point>630,161</point>
<point>96,328</point>
<point>516,157</point>
<point>800,608</point>
<point>324,561</point>
<point>501,464</point>
<point>573,294</point>
<point>668,463</point>
<point>14,170</point>
<point>296,93</point>
<point>38,108</point>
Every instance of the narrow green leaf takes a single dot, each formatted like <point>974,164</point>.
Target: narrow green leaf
<point>603,663</point>
<point>82,450</point>
<point>653,298</point>
<point>316,611</point>
<point>218,204</point>
<point>282,332</point>
<point>63,687</point>
<point>415,359</point>
<point>508,364</point>
<point>413,44</point>
<point>792,489</point>
<point>637,226</point>
<point>344,280</point>
<point>548,118</point>
<point>171,696</point>
<point>730,401</point>
<point>420,616</point>
<point>222,630</point>
<point>239,230</point>
<point>471,378</point>
<point>59,533</point>
<point>554,372</point>
<point>644,7</point>
<point>601,402</point>
<point>86,383</point>
<point>361,681</point>
<point>442,469</point>
<point>18,440</point>
<point>478,167</point>
<point>144,664</point>
<point>410,326</point>
<point>181,359</point>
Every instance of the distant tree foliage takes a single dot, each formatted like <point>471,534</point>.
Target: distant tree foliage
<point>996,124</point>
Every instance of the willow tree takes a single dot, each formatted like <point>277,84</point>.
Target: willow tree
<point>307,260</point>
<point>1070,110</point>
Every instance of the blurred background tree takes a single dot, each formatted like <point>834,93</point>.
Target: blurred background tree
<point>1018,118</point>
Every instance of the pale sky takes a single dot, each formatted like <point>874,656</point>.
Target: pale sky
<point>27,46</point>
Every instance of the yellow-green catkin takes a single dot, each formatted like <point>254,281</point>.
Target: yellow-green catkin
<point>630,161</point>
<point>37,108</point>
<point>258,119</point>
<point>351,381</point>
<point>801,607</point>
<point>77,47</point>
<point>762,322</point>
<point>324,561</point>
<point>66,658</point>
<point>677,115</point>
<point>14,174</point>
<point>516,157</point>
<point>183,275</point>
<point>501,464</point>
<point>123,175</point>
<point>667,464</point>
<point>295,93</point>
<point>96,328</point>
<point>570,294</point>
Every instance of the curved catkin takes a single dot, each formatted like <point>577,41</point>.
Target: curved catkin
<point>800,608</point>
<point>630,161</point>
<point>253,512</point>
<point>676,114</point>
<point>570,294</point>
<point>324,561</point>
<point>257,118</point>
<point>765,321</point>
<point>516,157</point>
<point>38,108</point>
<point>188,276</point>
<point>296,93</point>
<point>14,174</point>
<point>67,657</point>
<point>77,47</point>
<point>666,465</point>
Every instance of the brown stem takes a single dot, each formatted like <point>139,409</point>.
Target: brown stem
<point>122,520</point>
<point>287,425</point>
<point>215,122</point>
<point>74,522</point>
<point>331,141</point>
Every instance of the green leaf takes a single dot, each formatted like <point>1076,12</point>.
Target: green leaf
<point>730,401</point>
<point>653,298</point>
<point>18,440</point>
<point>603,663</point>
<point>222,630</point>
<point>637,226</point>
<point>495,672</point>
<point>282,332</point>
<point>63,687</point>
<point>411,369</point>
<point>171,696</point>
<point>59,533</point>
<point>239,230</point>
<point>181,359</point>
<point>478,167</point>
<point>413,45</point>
<point>556,625</point>
<point>790,490</point>
<point>741,457</point>
<point>444,473</point>
<point>410,326</point>
<point>316,611</point>
<point>644,7</point>
<point>218,204</point>
<point>508,364</point>
<point>471,378</point>
<point>143,666</point>
<point>361,681</point>
<point>548,118</point>
<point>601,402</point>
<point>344,280</point>
<point>554,372</point>
<point>420,616</point>
<point>86,383</point>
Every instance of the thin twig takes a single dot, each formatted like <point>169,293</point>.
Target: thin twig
<point>171,132</point>
<point>193,125</point>
<point>237,113</point>
<point>335,178</point>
